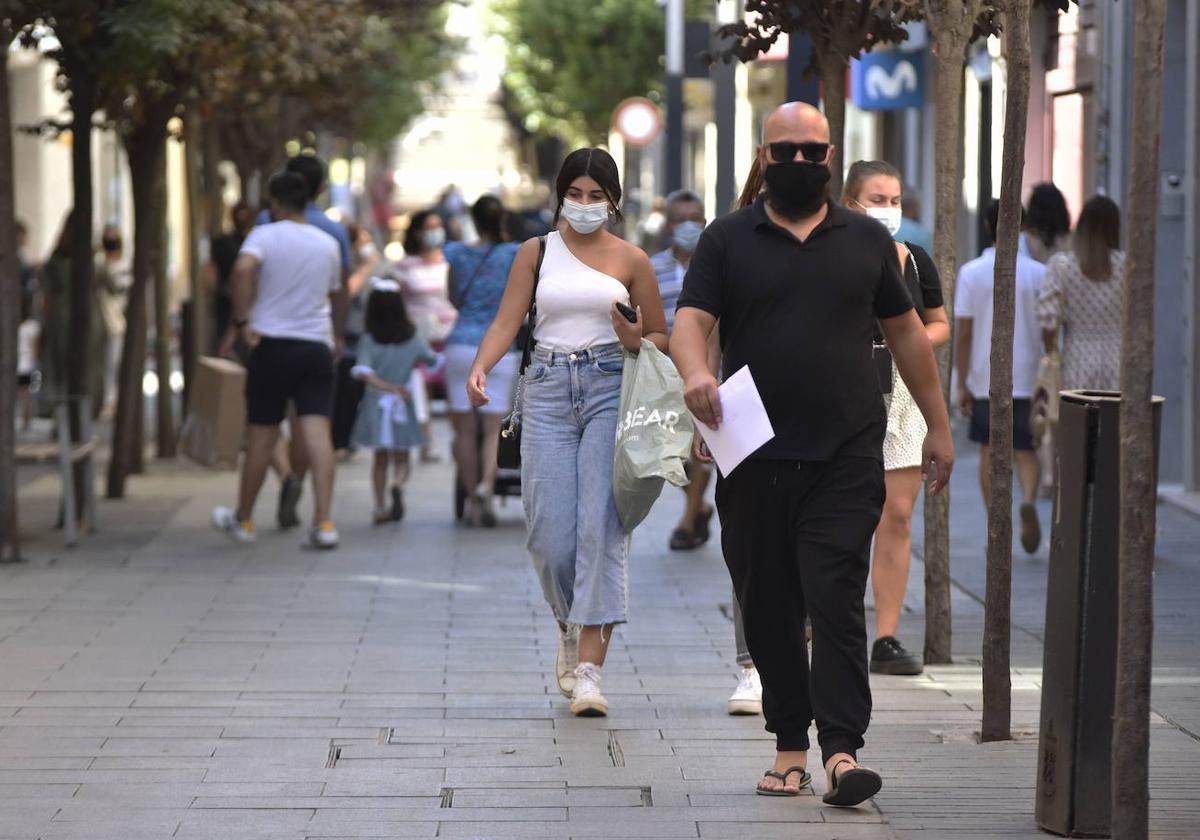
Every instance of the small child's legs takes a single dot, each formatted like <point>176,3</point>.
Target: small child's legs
<point>400,464</point>
<point>379,476</point>
<point>398,459</point>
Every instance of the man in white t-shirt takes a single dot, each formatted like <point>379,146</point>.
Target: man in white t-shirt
<point>973,309</point>
<point>288,305</point>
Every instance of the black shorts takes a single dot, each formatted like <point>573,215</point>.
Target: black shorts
<point>981,424</point>
<point>282,369</point>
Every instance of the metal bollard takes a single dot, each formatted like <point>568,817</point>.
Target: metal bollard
<point>1080,658</point>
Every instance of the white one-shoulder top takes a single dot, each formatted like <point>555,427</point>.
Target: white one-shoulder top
<point>574,301</point>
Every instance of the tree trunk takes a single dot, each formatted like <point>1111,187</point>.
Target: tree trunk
<point>165,396</point>
<point>997,682</point>
<point>147,167</point>
<point>948,141</point>
<point>833,100</point>
<point>198,334</point>
<point>1135,624</point>
<point>10,309</point>
<point>214,195</point>
<point>82,298</point>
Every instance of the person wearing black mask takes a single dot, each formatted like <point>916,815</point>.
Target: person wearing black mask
<point>798,283</point>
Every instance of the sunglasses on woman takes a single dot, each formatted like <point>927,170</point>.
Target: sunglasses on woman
<point>785,150</point>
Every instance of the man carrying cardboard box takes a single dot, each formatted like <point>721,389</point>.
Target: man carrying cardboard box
<point>288,305</point>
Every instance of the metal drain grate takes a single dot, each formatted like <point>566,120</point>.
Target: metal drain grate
<point>447,798</point>
<point>335,753</point>
<point>614,749</point>
<point>647,798</point>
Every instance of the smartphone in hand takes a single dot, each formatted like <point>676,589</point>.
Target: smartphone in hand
<point>628,311</point>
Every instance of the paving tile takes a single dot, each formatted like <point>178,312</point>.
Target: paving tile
<point>181,690</point>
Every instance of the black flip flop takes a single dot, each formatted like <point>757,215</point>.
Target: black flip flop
<point>682,540</point>
<point>701,526</point>
<point>853,787</point>
<point>805,781</point>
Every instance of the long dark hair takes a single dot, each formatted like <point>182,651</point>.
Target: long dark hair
<point>416,227</point>
<point>753,185</point>
<point>1047,217</point>
<point>596,164</point>
<point>490,217</point>
<point>1096,236</point>
<point>387,318</point>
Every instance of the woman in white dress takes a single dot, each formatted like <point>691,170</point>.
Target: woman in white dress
<point>873,187</point>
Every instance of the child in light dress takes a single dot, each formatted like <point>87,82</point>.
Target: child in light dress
<point>387,418</point>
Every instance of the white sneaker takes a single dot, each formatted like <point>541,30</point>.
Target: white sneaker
<point>586,700</point>
<point>224,519</point>
<point>323,536</point>
<point>568,660</point>
<point>747,699</point>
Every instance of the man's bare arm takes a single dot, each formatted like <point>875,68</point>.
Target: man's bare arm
<point>243,285</point>
<point>690,350</point>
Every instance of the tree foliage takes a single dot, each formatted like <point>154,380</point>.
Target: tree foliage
<point>839,27</point>
<point>571,64</point>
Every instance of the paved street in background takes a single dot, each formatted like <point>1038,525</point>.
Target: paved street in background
<point>160,682</point>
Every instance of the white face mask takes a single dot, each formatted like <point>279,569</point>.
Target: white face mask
<point>585,218</point>
<point>889,217</point>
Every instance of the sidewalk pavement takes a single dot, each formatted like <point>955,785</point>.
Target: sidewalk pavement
<point>160,682</point>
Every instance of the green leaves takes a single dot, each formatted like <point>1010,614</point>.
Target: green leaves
<point>570,64</point>
<point>344,65</point>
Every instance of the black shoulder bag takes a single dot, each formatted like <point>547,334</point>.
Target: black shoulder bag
<point>508,453</point>
<point>879,350</point>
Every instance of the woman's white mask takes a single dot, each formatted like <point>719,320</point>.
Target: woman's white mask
<point>585,218</point>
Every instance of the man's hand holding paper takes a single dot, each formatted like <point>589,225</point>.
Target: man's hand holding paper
<point>731,419</point>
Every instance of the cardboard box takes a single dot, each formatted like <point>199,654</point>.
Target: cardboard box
<point>212,433</point>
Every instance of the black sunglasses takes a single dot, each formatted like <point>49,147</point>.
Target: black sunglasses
<point>785,150</point>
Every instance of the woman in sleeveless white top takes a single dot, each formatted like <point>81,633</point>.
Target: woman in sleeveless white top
<point>569,410</point>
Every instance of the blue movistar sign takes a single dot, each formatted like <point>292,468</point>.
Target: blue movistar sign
<point>888,81</point>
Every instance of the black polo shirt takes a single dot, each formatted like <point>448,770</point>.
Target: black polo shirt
<point>801,315</point>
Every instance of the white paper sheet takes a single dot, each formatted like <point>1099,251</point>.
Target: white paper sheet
<point>745,426</point>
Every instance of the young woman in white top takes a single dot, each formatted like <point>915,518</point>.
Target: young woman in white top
<point>569,409</point>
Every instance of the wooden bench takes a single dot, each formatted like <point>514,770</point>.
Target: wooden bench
<point>67,454</point>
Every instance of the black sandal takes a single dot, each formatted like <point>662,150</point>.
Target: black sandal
<point>701,526</point>
<point>682,540</point>
<point>805,781</point>
<point>853,787</point>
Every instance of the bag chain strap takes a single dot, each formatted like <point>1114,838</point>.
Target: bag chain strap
<point>514,416</point>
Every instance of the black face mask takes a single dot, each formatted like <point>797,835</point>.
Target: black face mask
<point>111,245</point>
<point>796,189</point>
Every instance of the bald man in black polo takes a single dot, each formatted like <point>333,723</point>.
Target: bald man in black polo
<point>798,283</point>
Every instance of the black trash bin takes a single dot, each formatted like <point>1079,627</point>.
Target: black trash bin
<point>1080,659</point>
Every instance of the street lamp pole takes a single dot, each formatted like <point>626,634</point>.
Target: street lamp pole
<point>674,134</point>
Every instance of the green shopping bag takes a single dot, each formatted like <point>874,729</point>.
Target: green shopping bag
<point>654,434</point>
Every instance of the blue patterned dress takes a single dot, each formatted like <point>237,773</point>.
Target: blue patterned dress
<point>384,420</point>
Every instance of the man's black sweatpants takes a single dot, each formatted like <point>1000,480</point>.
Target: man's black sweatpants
<point>796,538</point>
